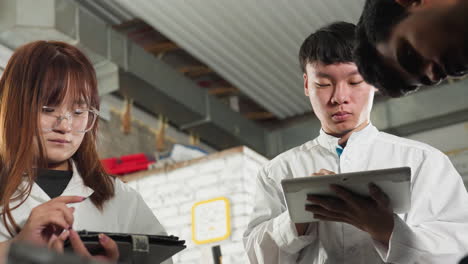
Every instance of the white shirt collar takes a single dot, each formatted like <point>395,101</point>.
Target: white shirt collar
<point>360,137</point>
<point>75,187</point>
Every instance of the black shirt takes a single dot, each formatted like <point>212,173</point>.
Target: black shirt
<point>53,182</point>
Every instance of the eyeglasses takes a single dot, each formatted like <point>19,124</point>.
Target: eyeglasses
<point>79,120</point>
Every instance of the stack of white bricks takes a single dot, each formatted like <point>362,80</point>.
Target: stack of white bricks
<point>171,192</point>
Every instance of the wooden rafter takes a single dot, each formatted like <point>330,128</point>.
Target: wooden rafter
<point>128,24</point>
<point>195,71</point>
<point>220,91</point>
<point>161,47</point>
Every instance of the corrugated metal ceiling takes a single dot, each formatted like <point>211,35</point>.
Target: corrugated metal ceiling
<point>252,43</point>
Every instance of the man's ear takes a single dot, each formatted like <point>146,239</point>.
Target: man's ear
<point>306,84</point>
<point>409,3</point>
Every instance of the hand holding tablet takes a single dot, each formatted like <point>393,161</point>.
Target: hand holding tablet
<point>395,183</point>
<point>133,248</point>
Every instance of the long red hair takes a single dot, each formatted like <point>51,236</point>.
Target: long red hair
<point>42,73</point>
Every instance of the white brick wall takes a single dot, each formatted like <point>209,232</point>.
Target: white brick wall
<point>171,195</point>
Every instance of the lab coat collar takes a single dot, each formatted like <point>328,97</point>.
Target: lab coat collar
<point>75,187</point>
<point>363,136</point>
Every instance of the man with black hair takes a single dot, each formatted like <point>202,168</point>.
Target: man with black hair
<point>352,228</point>
<point>404,44</point>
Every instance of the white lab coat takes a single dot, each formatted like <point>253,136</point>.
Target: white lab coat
<point>435,230</point>
<point>126,212</point>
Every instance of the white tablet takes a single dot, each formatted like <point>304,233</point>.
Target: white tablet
<point>394,182</point>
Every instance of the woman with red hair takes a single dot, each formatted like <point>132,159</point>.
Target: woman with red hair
<point>51,180</point>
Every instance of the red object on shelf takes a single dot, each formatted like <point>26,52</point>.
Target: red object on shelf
<point>127,164</point>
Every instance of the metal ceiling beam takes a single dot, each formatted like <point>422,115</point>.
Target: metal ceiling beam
<point>23,21</point>
<point>252,44</point>
<point>158,88</point>
<point>425,110</point>
<point>161,90</point>
<point>152,84</point>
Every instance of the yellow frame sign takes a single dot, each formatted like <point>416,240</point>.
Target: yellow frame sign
<point>204,205</point>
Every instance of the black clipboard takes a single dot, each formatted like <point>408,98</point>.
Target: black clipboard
<point>134,248</point>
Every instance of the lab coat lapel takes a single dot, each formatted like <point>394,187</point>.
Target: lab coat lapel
<point>76,185</point>
<point>38,194</point>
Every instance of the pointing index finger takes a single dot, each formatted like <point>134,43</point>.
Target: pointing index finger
<point>69,199</point>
